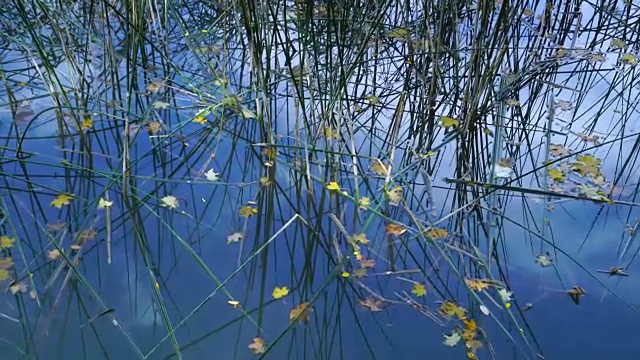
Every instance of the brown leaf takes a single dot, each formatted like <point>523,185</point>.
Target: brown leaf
<point>395,229</point>
<point>372,304</point>
<point>300,312</point>
<point>257,346</point>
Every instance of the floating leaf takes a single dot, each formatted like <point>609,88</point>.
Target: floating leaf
<point>629,59</point>
<point>18,287</point>
<point>300,312</point>
<point>558,150</point>
<point>556,175</point>
<point>373,100</point>
<point>367,263</point>
<point>212,175</point>
<point>589,138</point>
<point>359,273</point>
<point>378,168</point>
<point>505,295</point>
<point>513,102</point>
<point>6,242</point>
<point>398,33</point>
<point>395,229</point>
<point>449,308</point>
<point>419,290</point>
<point>6,263</point>
<point>331,133</point>
<point>447,122</point>
<point>53,254</point>
<point>170,201</point>
<point>246,113</point>
<point>86,124</point>
<point>4,274</point>
<point>586,164</point>
<point>155,86</point>
<point>364,203</point>
<point>395,196</point>
<point>476,285</point>
<point>160,105</point>
<point>484,310</point>
<point>333,186</point>
<point>200,119</point>
<point>453,339</point>
<point>437,233</point>
<point>279,292</point>
<point>372,304</point>
<point>544,260</point>
<point>61,200</point>
<point>234,303</point>
<point>103,203</point>
<point>617,44</point>
<point>575,293</point>
<point>257,346</point>
<point>154,127</point>
<point>564,105</point>
<point>248,211</point>
<point>235,237</point>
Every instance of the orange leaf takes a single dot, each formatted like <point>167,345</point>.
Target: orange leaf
<point>476,285</point>
<point>300,312</point>
<point>257,346</point>
<point>395,229</point>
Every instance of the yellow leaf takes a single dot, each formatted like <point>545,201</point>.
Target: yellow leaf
<point>333,186</point>
<point>86,124</point>
<point>200,119</point>
<point>359,239</point>
<point>248,211</point>
<point>4,274</point>
<point>513,102</point>
<point>6,242</point>
<point>61,200</point>
<point>378,168</point>
<point>359,273</point>
<point>447,122</point>
<point>449,308</point>
<point>279,292</point>
<point>395,229</point>
<point>300,312</point>
<point>345,274</point>
<point>364,203</point>
<point>331,133</point>
<point>234,303</point>
<point>629,59</point>
<point>556,175</point>
<point>398,33</point>
<point>419,290</point>
<point>257,346</point>
<point>617,44</point>
<point>395,196</point>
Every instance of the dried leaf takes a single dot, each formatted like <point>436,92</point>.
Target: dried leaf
<point>248,211</point>
<point>453,339</point>
<point>17,287</point>
<point>557,150</point>
<point>103,203</point>
<point>437,233</point>
<point>257,346</point>
<point>395,196</point>
<point>449,308</point>
<point>378,168</point>
<point>476,284</point>
<point>395,229</point>
<point>300,312</point>
<point>170,201</point>
<point>544,260</point>
<point>235,237</point>
<point>53,254</point>
<point>160,105</point>
<point>6,263</point>
<point>61,200</point>
<point>372,304</point>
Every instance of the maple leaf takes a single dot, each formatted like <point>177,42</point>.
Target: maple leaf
<point>617,44</point>
<point>279,292</point>
<point>4,274</point>
<point>53,254</point>
<point>513,102</point>
<point>437,233</point>
<point>590,139</point>
<point>257,346</point>
<point>557,150</point>
<point>476,285</point>
<point>449,308</point>
<point>200,119</point>
<point>358,239</point>
<point>505,295</point>
<point>155,86</point>
<point>589,192</point>
<point>212,175</point>
<point>6,263</point>
<point>359,273</point>
<point>372,304</point>
<point>61,200</point>
<point>364,203</point>
<point>556,175</point>
<point>544,260</point>
<point>17,287</point>
<point>378,168</point>
<point>331,133</point>
<point>473,345</point>
<point>103,203</point>
<point>395,196</point>
<point>564,105</point>
<point>453,339</point>
<point>248,211</point>
<point>367,263</point>
<point>333,186</point>
<point>575,293</point>
<point>419,290</point>
<point>86,124</point>
<point>586,164</point>
<point>447,122</point>
<point>6,242</point>
<point>629,59</point>
<point>154,127</point>
<point>395,229</point>
<point>300,312</point>
<point>235,237</point>
<point>160,105</point>
<point>170,201</point>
